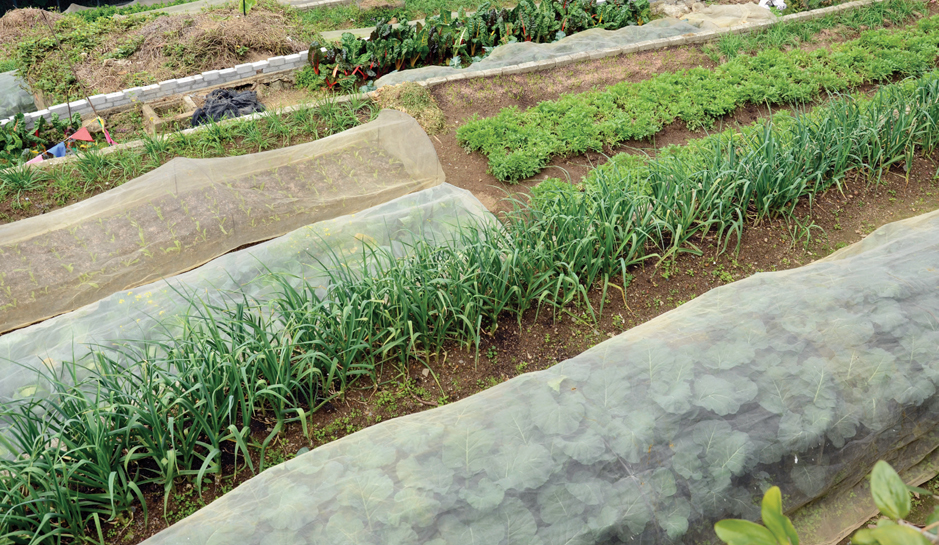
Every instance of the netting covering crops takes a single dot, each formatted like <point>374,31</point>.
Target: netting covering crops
<point>800,378</point>
<point>189,211</point>
<point>592,40</point>
<point>15,97</point>
<point>726,16</point>
<point>156,311</point>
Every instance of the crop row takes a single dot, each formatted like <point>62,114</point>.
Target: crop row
<point>519,143</point>
<point>794,33</point>
<point>456,39</point>
<point>94,171</point>
<point>155,412</point>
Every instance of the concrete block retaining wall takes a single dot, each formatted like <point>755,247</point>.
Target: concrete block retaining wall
<point>172,87</point>
<point>298,60</point>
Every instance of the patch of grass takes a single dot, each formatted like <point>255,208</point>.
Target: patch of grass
<point>278,453</point>
<point>15,181</point>
<point>341,426</point>
<point>127,125</point>
<point>345,16</point>
<point>176,46</point>
<point>95,167</point>
<point>46,65</point>
<point>187,502</point>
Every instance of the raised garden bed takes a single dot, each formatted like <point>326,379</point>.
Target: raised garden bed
<point>527,341</point>
<point>617,251</point>
<point>125,126</point>
<point>168,115</point>
<point>520,144</point>
<point>457,40</point>
<point>31,192</point>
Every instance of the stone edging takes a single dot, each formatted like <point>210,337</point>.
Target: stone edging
<point>648,45</point>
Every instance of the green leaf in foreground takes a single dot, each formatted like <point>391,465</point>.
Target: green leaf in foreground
<point>892,534</point>
<point>743,532</point>
<point>774,519</point>
<point>245,6</point>
<point>889,491</point>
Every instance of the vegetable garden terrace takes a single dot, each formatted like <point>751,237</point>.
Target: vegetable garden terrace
<point>439,272</point>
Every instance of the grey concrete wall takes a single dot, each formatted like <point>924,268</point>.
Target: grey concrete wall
<point>172,87</point>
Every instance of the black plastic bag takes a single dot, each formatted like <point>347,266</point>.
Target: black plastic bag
<point>225,103</point>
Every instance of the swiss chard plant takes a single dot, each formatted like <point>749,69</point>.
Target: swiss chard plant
<point>446,39</point>
<point>19,142</point>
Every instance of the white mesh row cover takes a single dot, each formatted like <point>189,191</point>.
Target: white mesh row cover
<point>153,311</point>
<point>801,379</point>
<point>15,97</point>
<point>594,39</point>
<point>189,211</point>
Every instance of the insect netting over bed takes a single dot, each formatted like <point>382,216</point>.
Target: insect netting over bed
<point>15,97</point>
<point>189,211</point>
<point>593,40</point>
<point>158,310</point>
<point>801,379</point>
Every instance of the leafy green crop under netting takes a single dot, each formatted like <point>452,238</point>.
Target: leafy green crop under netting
<point>801,379</point>
<point>15,97</point>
